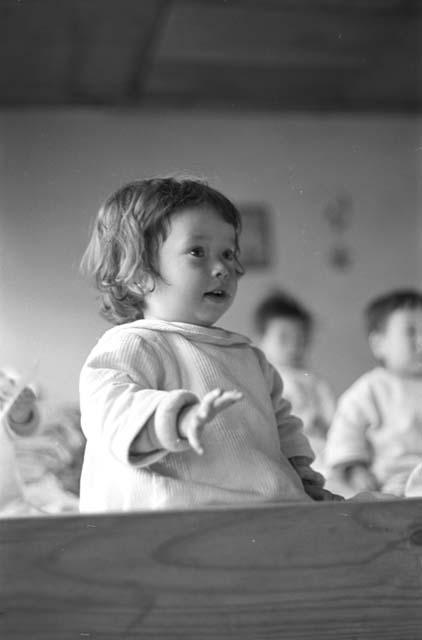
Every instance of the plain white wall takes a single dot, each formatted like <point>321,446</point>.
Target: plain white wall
<point>58,166</point>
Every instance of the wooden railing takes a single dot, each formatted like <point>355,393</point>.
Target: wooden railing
<point>332,571</point>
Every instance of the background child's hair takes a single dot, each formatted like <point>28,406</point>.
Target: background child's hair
<point>282,305</point>
<point>128,231</point>
<point>379,309</point>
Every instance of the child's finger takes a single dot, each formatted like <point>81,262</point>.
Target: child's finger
<point>193,437</point>
<point>205,407</point>
<point>229,396</point>
<point>213,402</point>
<point>225,401</point>
<point>225,398</point>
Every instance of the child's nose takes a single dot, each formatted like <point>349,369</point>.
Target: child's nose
<point>220,270</point>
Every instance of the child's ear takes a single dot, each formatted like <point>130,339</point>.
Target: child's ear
<point>145,284</point>
<point>148,283</point>
<point>376,344</point>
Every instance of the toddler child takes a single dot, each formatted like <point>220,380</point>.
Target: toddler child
<point>178,412</point>
<point>284,328</point>
<point>43,444</point>
<point>375,439</point>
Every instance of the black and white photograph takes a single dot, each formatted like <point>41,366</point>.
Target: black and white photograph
<point>211,319</point>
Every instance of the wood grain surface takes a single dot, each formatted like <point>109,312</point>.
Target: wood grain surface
<point>325,571</point>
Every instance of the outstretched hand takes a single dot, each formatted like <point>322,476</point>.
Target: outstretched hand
<point>193,418</point>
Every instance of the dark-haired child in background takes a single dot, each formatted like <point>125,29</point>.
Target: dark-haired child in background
<point>284,328</point>
<point>376,436</point>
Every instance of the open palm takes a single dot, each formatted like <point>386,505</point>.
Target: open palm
<point>194,418</point>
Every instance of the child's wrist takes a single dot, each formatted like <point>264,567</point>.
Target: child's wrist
<point>183,419</point>
<point>170,417</point>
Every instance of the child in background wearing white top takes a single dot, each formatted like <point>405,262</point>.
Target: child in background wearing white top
<point>376,436</point>
<point>178,412</point>
<point>284,328</point>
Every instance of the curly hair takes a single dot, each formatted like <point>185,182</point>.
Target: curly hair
<point>129,229</point>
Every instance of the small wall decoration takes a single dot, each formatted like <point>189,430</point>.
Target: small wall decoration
<point>255,239</point>
<point>338,213</point>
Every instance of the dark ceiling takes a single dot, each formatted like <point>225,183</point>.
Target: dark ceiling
<point>341,55</point>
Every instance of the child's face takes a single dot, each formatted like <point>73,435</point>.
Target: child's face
<point>399,345</point>
<point>284,342</point>
<point>197,267</point>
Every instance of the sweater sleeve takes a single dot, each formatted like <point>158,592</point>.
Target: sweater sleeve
<point>120,392</point>
<point>347,440</point>
<point>293,441</point>
<point>23,429</point>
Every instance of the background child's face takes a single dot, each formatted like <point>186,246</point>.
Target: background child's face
<point>399,345</point>
<point>284,342</point>
<point>197,267</point>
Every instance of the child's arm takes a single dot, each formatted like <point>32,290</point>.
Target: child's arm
<point>190,423</point>
<point>293,442</point>
<point>348,452</point>
<point>125,410</point>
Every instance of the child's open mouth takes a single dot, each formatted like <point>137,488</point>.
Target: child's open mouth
<point>218,295</point>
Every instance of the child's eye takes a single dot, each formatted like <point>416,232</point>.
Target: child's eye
<point>197,252</point>
<point>229,254</point>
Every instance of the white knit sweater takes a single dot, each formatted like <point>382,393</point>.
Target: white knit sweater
<point>145,368</point>
<point>379,422</point>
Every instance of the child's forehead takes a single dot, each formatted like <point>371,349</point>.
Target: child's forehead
<point>404,316</point>
<point>285,322</point>
<point>197,222</point>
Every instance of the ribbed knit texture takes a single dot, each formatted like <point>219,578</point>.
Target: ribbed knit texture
<point>131,370</point>
<point>379,421</point>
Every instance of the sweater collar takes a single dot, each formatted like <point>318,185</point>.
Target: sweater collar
<point>194,332</point>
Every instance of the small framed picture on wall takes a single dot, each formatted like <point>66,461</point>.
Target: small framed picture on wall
<point>256,237</point>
